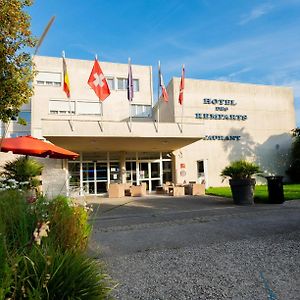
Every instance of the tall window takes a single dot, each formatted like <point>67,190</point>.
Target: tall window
<point>122,84</point>
<point>111,83</point>
<point>136,85</point>
<point>26,115</point>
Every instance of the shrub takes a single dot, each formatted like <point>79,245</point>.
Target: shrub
<point>57,268</point>
<point>294,169</point>
<point>5,270</point>
<point>17,221</point>
<point>23,169</point>
<point>69,223</point>
<point>240,169</point>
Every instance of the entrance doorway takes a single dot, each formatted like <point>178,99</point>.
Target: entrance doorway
<point>88,176</point>
<point>149,172</point>
<point>94,177</point>
<point>201,166</point>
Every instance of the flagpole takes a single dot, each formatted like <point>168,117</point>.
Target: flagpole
<point>101,109</point>
<point>129,88</point>
<point>183,75</point>
<point>158,102</point>
<point>130,117</point>
<point>70,107</point>
<point>101,104</point>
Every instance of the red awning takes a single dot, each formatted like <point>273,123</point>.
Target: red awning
<point>29,145</point>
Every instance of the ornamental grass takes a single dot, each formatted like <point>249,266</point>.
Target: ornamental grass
<point>42,250</point>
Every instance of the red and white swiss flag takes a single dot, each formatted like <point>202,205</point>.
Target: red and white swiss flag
<point>98,82</point>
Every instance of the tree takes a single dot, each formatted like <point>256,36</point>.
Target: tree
<point>294,169</point>
<point>16,66</point>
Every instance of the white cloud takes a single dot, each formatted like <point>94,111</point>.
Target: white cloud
<point>234,75</point>
<point>267,53</point>
<point>295,84</point>
<point>256,13</point>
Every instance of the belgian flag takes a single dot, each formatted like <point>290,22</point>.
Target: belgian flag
<point>66,86</point>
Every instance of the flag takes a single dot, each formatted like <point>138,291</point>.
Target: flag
<point>98,82</point>
<point>180,99</point>
<point>66,86</point>
<point>130,93</point>
<point>164,93</point>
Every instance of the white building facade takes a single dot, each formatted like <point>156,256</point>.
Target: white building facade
<point>219,122</point>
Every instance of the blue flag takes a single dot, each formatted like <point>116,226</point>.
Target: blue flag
<point>129,82</point>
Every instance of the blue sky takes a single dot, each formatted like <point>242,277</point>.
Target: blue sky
<point>231,40</point>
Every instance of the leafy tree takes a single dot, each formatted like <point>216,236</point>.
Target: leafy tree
<point>294,169</point>
<point>16,66</point>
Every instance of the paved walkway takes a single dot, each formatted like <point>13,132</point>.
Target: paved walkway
<point>198,248</point>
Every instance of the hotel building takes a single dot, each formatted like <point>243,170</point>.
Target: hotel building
<point>219,122</point>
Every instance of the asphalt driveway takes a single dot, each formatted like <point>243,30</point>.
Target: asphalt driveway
<point>198,248</point>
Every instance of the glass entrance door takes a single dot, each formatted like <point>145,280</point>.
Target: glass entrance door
<point>101,177</point>
<point>155,175</point>
<point>94,177</point>
<point>149,172</point>
<point>88,177</point>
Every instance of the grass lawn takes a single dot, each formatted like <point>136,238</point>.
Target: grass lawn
<point>291,192</point>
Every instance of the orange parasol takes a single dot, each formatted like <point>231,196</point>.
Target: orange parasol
<point>29,145</point>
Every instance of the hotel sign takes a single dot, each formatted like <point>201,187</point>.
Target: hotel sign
<point>221,105</point>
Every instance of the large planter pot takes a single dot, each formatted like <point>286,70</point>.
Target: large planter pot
<point>242,191</point>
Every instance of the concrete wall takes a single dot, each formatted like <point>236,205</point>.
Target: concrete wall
<point>54,174</point>
<point>115,107</point>
<point>264,135</point>
<point>166,109</point>
<point>54,177</point>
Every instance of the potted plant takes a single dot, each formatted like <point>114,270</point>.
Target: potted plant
<point>241,183</point>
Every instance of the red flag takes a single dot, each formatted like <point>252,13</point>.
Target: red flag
<point>98,82</point>
<point>66,86</point>
<point>180,99</point>
<point>162,85</point>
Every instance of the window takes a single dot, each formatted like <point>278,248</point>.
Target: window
<point>136,85</point>
<point>111,83</point>
<point>122,84</point>
<point>88,108</point>
<point>141,111</point>
<point>61,107</point>
<point>26,115</point>
<point>48,78</point>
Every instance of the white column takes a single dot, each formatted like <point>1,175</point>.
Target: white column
<point>137,169</point>
<point>122,163</point>
<point>160,169</point>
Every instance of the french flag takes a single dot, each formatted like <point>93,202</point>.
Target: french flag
<point>164,92</point>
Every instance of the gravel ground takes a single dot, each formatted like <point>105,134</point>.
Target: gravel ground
<point>256,268</point>
<point>199,248</point>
